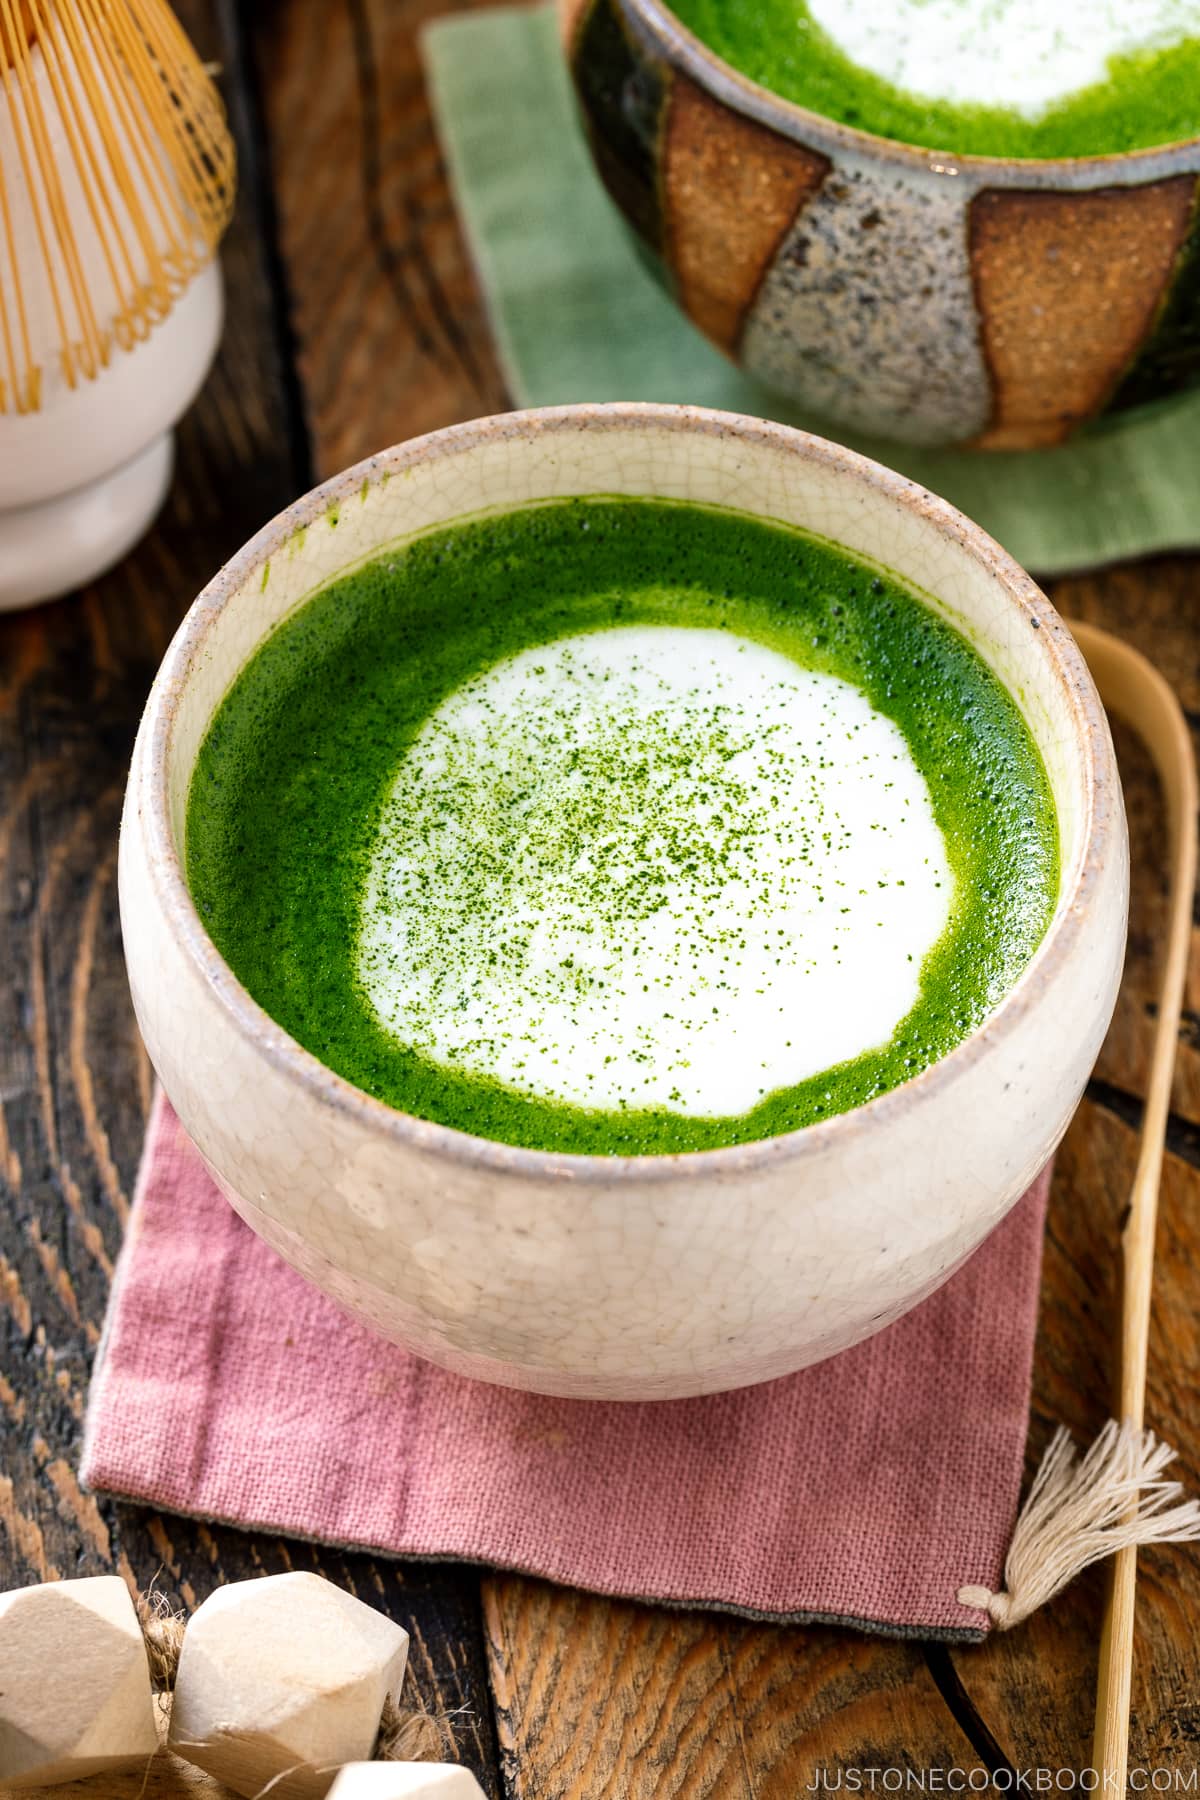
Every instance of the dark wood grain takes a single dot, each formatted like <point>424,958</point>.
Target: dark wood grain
<point>390,330</point>
<point>598,1699</point>
<point>1153,605</point>
<point>355,321</point>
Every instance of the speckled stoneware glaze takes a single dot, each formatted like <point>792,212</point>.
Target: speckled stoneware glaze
<point>899,291</point>
<point>638,1277</point>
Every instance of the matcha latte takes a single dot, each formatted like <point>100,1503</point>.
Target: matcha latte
<point>1008,78</point>
<point>621,826</point>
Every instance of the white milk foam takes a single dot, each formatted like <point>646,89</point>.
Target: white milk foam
<point>652,866</point>
<point>1022,55</point>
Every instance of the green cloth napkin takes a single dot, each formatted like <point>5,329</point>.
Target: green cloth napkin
<point>577,317</point>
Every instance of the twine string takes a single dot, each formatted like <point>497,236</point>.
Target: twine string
<point>162,1629</point>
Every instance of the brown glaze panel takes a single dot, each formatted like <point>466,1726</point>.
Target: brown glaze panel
<point>1067,287</point>
<point>570,17</point>
<point>731,189</point>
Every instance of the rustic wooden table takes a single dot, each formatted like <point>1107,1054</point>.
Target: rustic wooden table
<point>354,321</point>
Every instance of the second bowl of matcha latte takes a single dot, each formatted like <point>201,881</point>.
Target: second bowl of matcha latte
<point>941,221</point>
<point>624,898</point>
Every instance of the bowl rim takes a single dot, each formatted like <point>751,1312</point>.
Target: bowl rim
<point>149,794</point>
<point>815,130</point>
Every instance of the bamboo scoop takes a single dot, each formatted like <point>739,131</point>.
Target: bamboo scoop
<point>1134,691</point>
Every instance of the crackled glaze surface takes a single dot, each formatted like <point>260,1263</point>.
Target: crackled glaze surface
<point>900,291</point>
<point>634,1277</point>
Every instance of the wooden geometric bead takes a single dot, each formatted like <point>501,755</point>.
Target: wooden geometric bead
<point>75,1693</point>
<point>281,1680</point>
<point>405,1781</point>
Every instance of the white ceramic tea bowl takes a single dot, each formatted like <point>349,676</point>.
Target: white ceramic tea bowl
<point>627,1277</point>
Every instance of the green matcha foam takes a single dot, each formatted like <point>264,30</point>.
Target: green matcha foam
<point>621,826</point>
<point>1019,78</point>
<point>652,866</point>
<point>1023,54</point>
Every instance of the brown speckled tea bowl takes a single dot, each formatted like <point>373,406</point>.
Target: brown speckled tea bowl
<point>625,1277</point>
<point>897,291</point>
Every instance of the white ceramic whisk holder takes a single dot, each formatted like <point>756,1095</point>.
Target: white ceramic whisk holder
<point>116,180</point>
<point>81,480</point>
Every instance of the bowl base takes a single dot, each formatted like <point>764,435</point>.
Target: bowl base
<point>58,544</point>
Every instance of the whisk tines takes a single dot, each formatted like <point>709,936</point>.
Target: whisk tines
<point>116,182</point>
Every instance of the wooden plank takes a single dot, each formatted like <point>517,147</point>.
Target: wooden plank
<point>391,335</point>
<point>599,1698</point>
<point>74,1081</point>
<point>1151,604</point>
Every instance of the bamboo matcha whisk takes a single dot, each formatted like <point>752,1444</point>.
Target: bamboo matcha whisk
<point>116,182</point>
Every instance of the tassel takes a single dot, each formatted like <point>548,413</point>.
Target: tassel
<point>1078,1512</point>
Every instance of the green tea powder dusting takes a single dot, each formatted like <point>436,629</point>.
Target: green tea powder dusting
<point>620,826</point>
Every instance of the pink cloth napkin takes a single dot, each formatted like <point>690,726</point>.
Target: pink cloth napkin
<point>866,1490</point>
